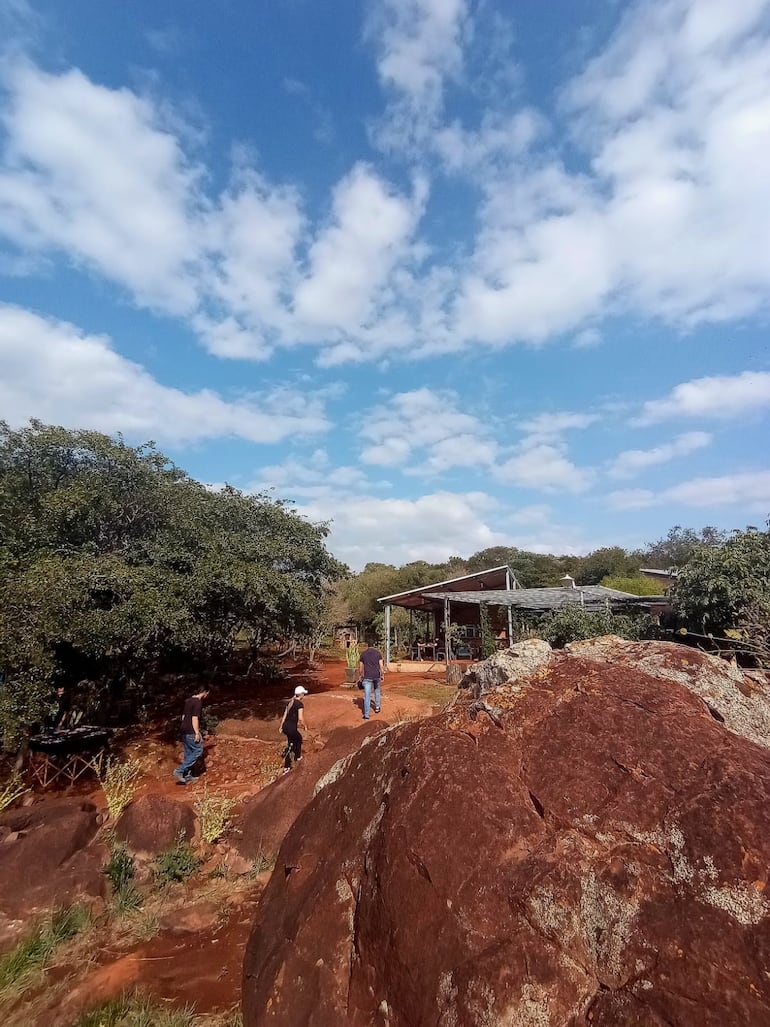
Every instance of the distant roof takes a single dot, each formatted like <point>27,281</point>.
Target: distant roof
<point>481,581</point>
<point>591,597</point>
<point>656,572</point>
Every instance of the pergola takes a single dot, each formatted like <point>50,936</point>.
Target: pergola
<point>499,587</point>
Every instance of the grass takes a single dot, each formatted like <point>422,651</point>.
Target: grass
<point>10,790</point>
<point>214,814</point>
<point>135,1010</point>
<point>119,782</point>
<point>264,861</point>
<point>121,870</point>
<point>33,955</point>
<point>433,692</point>
<point>176,864</point>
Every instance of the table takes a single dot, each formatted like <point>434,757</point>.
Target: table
<point>66,755</point>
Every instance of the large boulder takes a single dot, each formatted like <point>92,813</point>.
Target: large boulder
<point>155,823</point>
<point>47,856</point>
<point>595,852</point>
<point>521,660</point>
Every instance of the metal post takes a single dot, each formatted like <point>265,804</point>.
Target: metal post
<point>387,635</point>
<point>447,639</point>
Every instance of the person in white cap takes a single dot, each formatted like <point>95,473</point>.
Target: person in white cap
<point>293,720</point>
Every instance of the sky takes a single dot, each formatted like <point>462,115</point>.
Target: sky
<point>448,274</point>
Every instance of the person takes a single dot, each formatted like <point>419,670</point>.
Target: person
<point>372,671</point>
<point>293,719</point>
<point>60,710</point>
<point>192,739</point>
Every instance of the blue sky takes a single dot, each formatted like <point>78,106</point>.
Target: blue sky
<point>448,273</point>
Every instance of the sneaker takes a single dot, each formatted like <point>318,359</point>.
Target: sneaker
<point>376,709</point>
<point>286,770</point>
<point>190,777</point>
<point>364,718</point>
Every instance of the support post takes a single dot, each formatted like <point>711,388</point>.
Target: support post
<point>447,638</point>
<point>510,613</point>
<point>387,635</point>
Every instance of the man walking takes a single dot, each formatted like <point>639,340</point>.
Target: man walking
<point>372,671</point>
<point>192,740</point>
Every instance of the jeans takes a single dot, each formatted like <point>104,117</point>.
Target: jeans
<point>368,682</point>
<point>192,753</point>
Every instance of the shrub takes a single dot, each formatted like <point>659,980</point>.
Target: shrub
<point>120,870</point>
<point>135,1010</point>
<point>10,790</point>
<point>352,656</point>
<point>214,814</point>
<point>34,953</point>
<point>573,623</point>
<point>118,783</point>
<point>176,864</point>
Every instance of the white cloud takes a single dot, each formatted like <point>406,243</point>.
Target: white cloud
<point>750,489</point>
<point>427,427</point>
<point>543,465</point>
<point>633,461</point>
<point>544,426</point>
<point>53,371</point>
<point>720,396</point>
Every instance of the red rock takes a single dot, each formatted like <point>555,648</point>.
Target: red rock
<point>48,858</point>
<point>155,823</point>
<point>599,858</point>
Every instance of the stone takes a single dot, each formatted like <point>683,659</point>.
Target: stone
<point>192,919</point>
<point>155,823</point>
<point>520,661</point>
<point>599,858</point>
<point>49,857</point>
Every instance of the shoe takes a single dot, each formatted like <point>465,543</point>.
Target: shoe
<point>364,718</point>
<point>190,777</point>
<point>286,770</point>
<point>376,709</point>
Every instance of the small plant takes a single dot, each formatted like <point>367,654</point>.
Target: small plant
<point>10,790</point>
<point>352,656</point>
<point>120,870</point>
<point>135,1010</point>
<point>119,781</point>
<point>176,864</point>
<point>264,861</point>
<point>34,953</point>
<point>143,925</point>
<point>214,813</point>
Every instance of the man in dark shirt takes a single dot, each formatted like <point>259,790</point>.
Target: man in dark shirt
<point>372,671</point>
<point>192,739</point>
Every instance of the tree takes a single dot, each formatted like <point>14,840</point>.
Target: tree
<point>679,546</point>
<point>726,588</point>
<point>114,562</point>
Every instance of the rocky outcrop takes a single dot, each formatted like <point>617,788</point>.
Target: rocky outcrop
<point>155,823</point>
<point>522,660</point>
<point>596,853</point>
<point>47,857</point>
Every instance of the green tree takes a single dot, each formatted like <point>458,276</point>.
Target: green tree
<point>726,588</point>
<point>679,546</point>
<point>114,562</point>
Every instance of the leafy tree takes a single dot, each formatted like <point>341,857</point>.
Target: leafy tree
<point>114,562</point>
<point>573,623</point>
<point>609,561</point>
<point>727,588</point>
<point>679,546</point>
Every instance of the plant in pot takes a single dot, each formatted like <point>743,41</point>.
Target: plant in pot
<point>352,656</point>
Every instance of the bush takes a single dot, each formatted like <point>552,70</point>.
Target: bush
<point>118,783</point>
<point>176,864</point>
<point>573,623</point>
<point>214,814</point>
<point>121,870</point>
<point>11,789</point>
<point>135,1010</point>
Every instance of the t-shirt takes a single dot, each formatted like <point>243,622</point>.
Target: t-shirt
<point>371,661</point>
<point>291,721</point>
<point>192,708</point>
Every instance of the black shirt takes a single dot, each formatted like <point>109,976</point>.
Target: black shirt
<point>371,661</point>
<point>192,708</point>
<point>291,721</point>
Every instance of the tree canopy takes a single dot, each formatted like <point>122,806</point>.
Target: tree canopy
<point>113,560</point>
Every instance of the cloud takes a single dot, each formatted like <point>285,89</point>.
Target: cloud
<point>541,465</point>
<point>549,424</point>
<point>429,428</point>
<point>720,396</point>
<point>750,489</point>
<point>53,371</point>
<point>633,461</point>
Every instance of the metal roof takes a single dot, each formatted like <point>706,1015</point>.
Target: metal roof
<point>591,597</point>
<point>485,581</point>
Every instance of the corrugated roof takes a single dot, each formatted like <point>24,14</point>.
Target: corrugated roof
<point>591,597</point>
<point>486,580</point>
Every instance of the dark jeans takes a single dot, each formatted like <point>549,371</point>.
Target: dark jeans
<point>293,747</point>
<point>192,753</point>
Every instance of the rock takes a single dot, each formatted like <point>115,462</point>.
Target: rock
<point>155,823</point>
<point>735,699</point>
<point>48,858</point>
<point>600,859</point>
<point>520,661</point>
<point>192,919</point>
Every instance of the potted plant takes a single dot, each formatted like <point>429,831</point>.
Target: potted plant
<point>352,656</point>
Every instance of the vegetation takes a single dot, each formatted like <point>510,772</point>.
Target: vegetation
<point>119,781</point>
<point>33,955</point>
<point>637,585</point>
<point>121,870</point>
<point>11,789</point>
<point>572,623</point>
<point>115,563</point>
<point>214,814</point>
<point>176,864</point>
<point>725,589</point>
<point>135,1010</point>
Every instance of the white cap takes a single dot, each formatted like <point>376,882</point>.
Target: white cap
<point>299,690</point>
